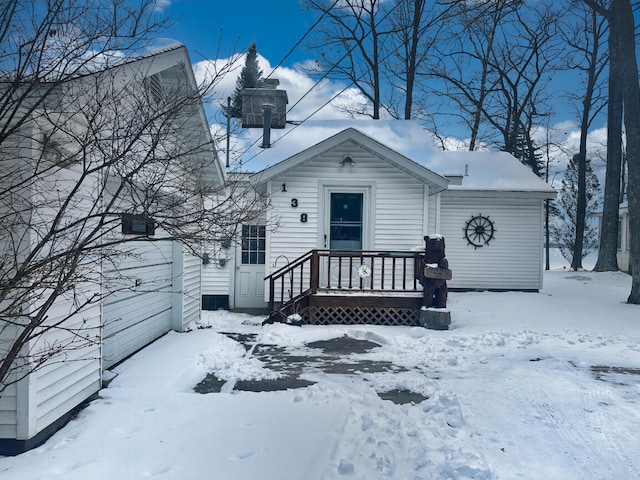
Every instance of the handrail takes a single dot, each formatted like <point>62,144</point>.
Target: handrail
<point>290,265</point>
<point>388,270</point>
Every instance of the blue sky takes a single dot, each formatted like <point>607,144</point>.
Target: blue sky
<point>217,29</point>
<point>275,26</point>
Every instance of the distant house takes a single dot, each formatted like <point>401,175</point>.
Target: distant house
<point>380,187</point>
<point>162,292</point>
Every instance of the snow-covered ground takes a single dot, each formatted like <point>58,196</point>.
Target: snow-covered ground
<point>511,395</point>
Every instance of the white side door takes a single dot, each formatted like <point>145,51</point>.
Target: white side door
<point>250,269</point>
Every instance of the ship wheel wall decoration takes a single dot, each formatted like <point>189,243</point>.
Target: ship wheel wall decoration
<point>479,231</point>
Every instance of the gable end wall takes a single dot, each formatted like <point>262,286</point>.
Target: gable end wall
<point>398,199</point>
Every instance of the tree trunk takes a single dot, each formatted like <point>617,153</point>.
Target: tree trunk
<point>587,104</point>
<point>607,252</point>
<point>581,211</point>
<point>413,55</point>
<point>623,17</point>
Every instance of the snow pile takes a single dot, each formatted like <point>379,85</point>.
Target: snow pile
<point>524,385</point>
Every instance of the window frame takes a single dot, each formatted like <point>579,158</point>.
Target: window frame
<point>131,225</point>
<point>253,244</point>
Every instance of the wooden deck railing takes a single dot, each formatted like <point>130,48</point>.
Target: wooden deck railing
<point>341,271</point>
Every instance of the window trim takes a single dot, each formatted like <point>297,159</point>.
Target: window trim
<point>131,222</point>
<point>257,240</point>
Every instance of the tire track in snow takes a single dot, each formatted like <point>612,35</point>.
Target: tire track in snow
<point>622,445</point>
<point>579,426</point>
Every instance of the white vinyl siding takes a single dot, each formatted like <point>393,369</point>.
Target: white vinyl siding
<point>396,209</point>
<point>394,204</point>
<point>513,258</point>
<point>33,403</point>
<point>215,278</point>
<point>66,380</point>
<point>141,312</point>
<point>63,386</point>
<point>8,411</point>
<point>400,213</point>
<point>140,308</point>
<point>187,298</point>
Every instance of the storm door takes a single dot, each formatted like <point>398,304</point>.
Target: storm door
<point>346,221</point>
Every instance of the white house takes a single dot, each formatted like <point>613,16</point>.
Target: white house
<point>381,186</point>
<point>147,288</point>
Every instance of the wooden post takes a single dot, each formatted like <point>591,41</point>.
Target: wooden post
<point>314,281</point>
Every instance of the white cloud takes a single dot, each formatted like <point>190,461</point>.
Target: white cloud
<point>307,98</point>
<point>161,5</point>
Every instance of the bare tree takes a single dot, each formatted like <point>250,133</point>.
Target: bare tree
<point>624,21</point>
<point>92,140</point>
<point>415,27</point>
<point>466,52</point>
<point>624,103</point>
<point>586,40</point>
<point>523,64</point>
<point>350,43</point>
<point>607,250</point>
<point>496,67</point>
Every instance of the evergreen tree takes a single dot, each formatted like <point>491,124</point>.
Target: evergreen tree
<point>524,149</point>
<point>564,230</point>
<point>250,77</point>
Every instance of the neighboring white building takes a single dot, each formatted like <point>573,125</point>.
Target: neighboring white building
<point>162,292</point>
<point>397,187</point>
<point>624,240</point>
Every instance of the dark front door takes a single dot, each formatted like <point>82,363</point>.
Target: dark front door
<point>346,222</point>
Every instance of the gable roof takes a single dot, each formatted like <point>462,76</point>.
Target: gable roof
<point>436,182</point>
<point>173,62</point>
<point>170,60</point>
<point>409,144</point>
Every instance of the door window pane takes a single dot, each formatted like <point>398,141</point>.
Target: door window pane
<point>345,226</point>
<point>253,244</point>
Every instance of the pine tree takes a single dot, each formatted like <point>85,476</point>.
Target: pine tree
<point>250,77</point>
<point>524,149</point>
<point>564,230</point>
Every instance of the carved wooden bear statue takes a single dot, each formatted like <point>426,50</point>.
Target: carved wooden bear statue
<point>435,272</point>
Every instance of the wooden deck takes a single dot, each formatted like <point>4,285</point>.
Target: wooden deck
<point>327,287</point>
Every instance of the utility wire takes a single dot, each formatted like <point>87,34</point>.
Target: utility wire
<point>309,30</point>
<point>291,50</point>
<point>326,74</point>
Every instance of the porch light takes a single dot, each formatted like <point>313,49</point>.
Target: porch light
<point>347,161</point>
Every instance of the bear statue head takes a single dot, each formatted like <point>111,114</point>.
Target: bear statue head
<point>434,247</point>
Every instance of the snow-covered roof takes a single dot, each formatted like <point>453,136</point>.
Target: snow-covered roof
<point>479,171</point>
<point>405,137</point>
<point>495,171</point>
